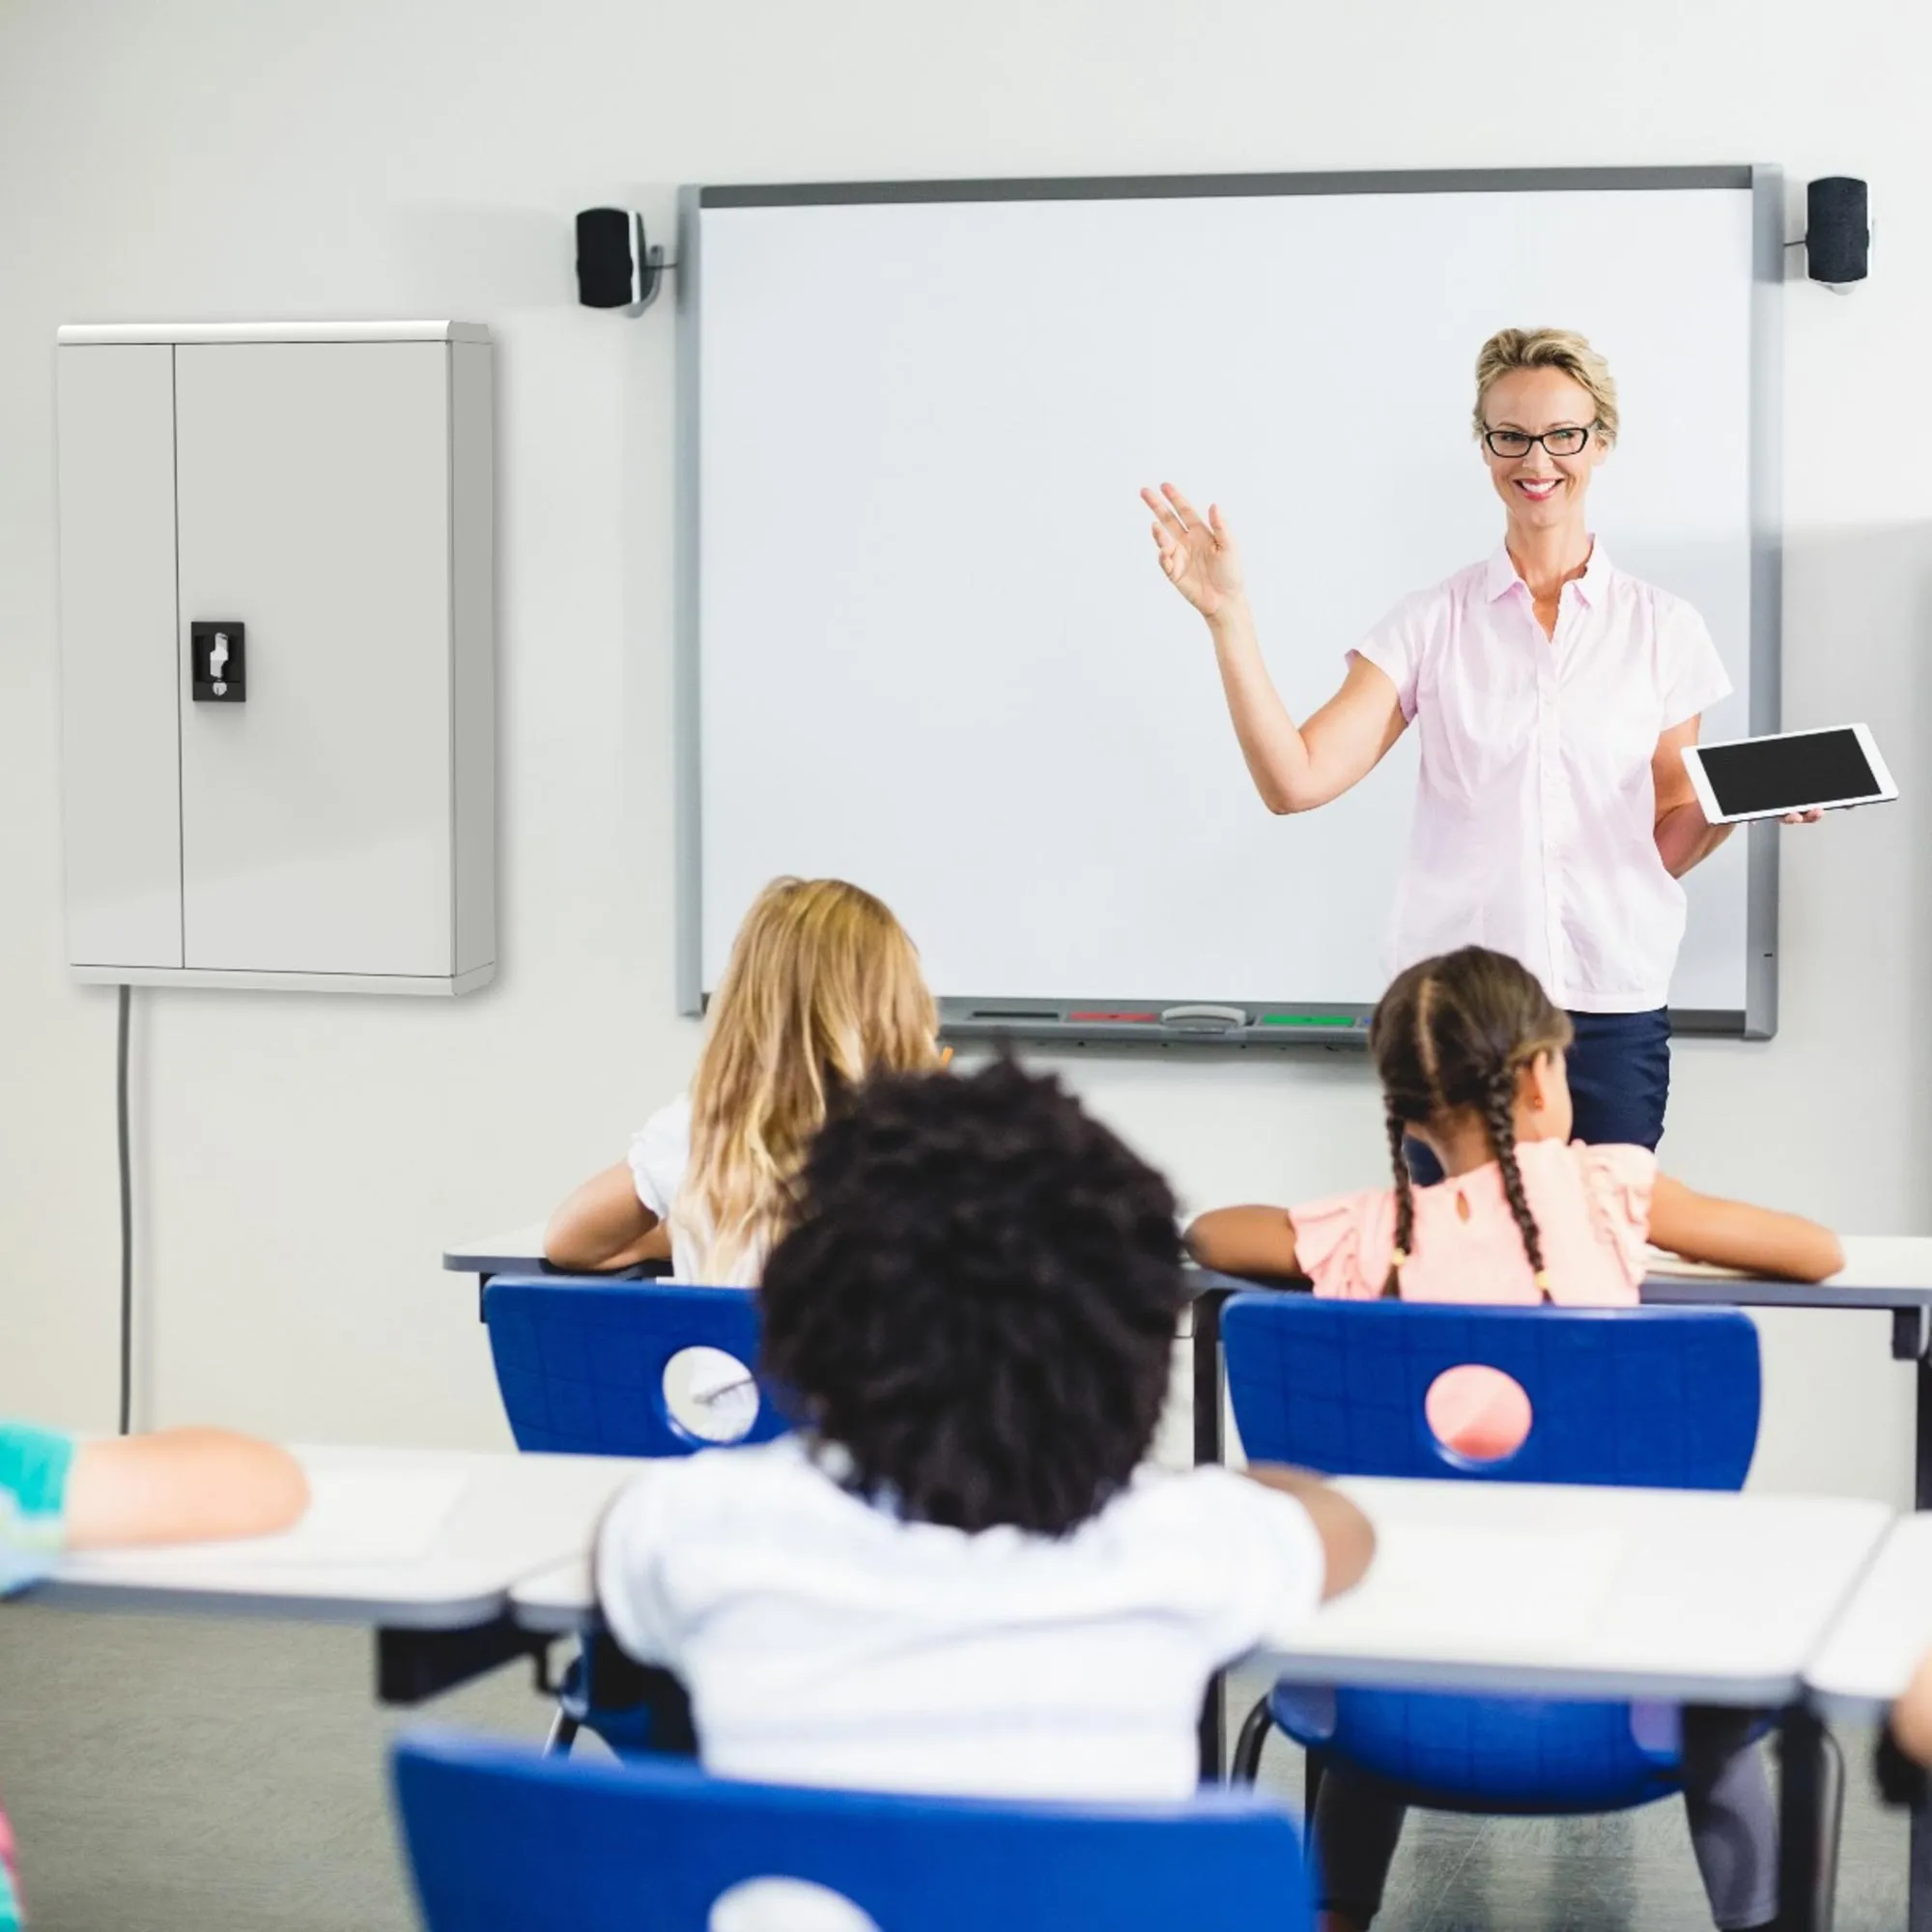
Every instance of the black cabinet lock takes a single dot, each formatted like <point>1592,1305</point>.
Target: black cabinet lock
<point>220,660</point>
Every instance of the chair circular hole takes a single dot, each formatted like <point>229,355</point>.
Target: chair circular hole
<point>785,1905</point>
<point>710,1395</point>
<point>1478,1413</point>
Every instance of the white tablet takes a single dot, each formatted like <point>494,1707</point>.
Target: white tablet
<point>1795,771</point>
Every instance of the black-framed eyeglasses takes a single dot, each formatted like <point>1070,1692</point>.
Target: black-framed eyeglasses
<point>1514,442</point>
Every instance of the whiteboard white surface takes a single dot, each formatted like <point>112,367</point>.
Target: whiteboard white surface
<point>935,654</point>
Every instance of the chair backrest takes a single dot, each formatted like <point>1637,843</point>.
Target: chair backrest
<point>581,1361</point>
<point>1661,1398</point>
<point>1653,1398</point>
<point>504,1841</point>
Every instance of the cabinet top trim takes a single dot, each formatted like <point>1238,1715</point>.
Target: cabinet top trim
<point>93,334</point>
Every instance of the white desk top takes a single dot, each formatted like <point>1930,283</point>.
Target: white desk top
<point>1886,1630</point>
<point>407,1539</point>
<point>1517,1588</point>
<point>558,1600</point>
<point>1880,1272</point>
<point>518,1252</point>
<point>1525,1589</point>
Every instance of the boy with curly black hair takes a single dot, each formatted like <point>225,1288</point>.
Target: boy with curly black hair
<point>958,1576</point>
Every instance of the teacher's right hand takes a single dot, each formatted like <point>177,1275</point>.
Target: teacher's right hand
<point>1197,554</point>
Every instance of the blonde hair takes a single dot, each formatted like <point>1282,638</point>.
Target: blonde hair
<point>1511,348</point>
<point>822,991</point>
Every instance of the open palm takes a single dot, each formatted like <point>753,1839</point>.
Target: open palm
<point>1197,554</point>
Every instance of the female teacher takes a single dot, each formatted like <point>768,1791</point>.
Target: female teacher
<point>1556,694</point>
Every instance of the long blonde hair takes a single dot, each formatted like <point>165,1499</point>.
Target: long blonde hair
<point>823,990</point>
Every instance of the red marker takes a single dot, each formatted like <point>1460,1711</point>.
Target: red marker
<point>1097,1013</point>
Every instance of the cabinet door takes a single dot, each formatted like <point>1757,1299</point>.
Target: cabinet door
<point>120,733</point>
<point>313,490</point>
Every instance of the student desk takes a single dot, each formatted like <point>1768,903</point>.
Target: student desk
<point>1883,1631</point>
<point>558,1602</point>
<point>1683,1596</point>
<point>1869,1658</point>
<point>521,1251</point>
<point>1880,1272</point>
<point>1888,1272</point>
<point>1521,1590</point>
<point>424,1547</point>
<point>1884,1271</point>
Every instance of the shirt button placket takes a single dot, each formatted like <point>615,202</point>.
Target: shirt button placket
<point>1549,803</point>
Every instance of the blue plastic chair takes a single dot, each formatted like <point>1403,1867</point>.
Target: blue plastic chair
<point>501,1840</point>
<point>1662,1398</point>
<point>581,1360</point>
<point>580,1365</point>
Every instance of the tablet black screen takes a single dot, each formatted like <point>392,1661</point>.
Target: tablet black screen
<point>1779,774</point>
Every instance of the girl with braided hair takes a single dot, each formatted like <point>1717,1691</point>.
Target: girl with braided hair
<point>1471,1051</point>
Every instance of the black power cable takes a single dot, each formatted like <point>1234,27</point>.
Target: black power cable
<point>127,1218</point>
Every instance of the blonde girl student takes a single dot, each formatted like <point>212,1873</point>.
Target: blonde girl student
<point>823,991</point>
<point>1471,1051</point>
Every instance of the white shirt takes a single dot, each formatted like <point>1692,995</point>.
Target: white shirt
<point>1535,813</point>
<point>825,1641</point>
<point>660,1153</point>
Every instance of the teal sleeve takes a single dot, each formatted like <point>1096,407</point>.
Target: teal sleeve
<point>34,1469</point>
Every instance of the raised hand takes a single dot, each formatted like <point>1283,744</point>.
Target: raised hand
<point>1197,554</point>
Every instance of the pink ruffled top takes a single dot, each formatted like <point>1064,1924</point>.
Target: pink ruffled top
<point>1592,1210</point>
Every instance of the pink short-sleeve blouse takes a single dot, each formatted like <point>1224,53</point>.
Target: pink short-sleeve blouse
<point>1591,1210</point>
<point>1535,813</point>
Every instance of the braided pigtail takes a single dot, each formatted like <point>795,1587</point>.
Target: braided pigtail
<point>1499,1119</point>
<point>1405,1209</point>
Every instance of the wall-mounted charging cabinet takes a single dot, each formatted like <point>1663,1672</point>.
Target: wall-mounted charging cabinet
<point>277,668</point>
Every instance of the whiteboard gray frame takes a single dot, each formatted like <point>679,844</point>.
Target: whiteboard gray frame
<point>1276,1024</point>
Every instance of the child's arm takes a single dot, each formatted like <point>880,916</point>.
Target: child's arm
<point>1912,1716</point>
<point>181,1486</point>
<point>1244,1241</point>
<point>1702,1227</point>
<point>1348,1537</point>
<point>604,1225</point>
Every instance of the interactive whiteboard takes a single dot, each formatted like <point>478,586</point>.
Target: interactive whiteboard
<point>925,643</point>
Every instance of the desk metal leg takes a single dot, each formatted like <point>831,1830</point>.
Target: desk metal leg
<point>415,1664</point>
<point>1908,1341</point>
<point>1210,1384</point>
<point>1909,1345</point>
<point>1208,1397</point>
<point>1921,1435</point>
<point>1918,1905</point>
<point>1801,1819</point>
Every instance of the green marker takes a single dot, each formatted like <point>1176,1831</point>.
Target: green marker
<point>1308,1019</point>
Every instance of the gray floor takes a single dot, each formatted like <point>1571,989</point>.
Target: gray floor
<point>1629,1872</point>
<point>178,1775</point>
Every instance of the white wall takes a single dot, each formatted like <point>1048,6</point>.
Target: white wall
<point>304,1158</point>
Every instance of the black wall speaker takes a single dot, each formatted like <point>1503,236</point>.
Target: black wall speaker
<point>615,267</point>
<point>1837,230</point>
